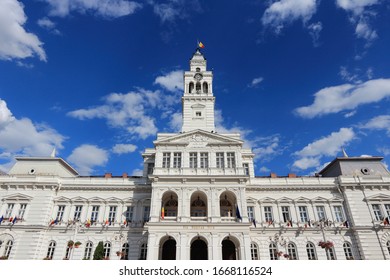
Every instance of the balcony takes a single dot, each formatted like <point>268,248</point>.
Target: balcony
<point>186,171</point>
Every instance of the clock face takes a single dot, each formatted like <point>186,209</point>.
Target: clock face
<point>198,77</point>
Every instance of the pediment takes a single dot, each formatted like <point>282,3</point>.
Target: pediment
<point>96,199</point>
<point>199,137</point>
<point>319,199</point>
<point>302,199</point>
<point>267,200</point>
<point>378,197</point>
<point>62,199</point>
<point>79,199</point>
<point>113,200</point>
<point>285,200</point>
<point>251,200</point>
<point>17,197</point>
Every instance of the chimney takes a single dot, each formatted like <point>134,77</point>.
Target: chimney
<point>292,175</point>
<point>124,175</point>
<point>273,175</point>
<point>108,175</point>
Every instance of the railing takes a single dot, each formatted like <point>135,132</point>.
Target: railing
<point>200,171</point>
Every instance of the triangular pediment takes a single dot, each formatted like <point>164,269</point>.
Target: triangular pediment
<point>198,137</point>
<point>285,200</point>
<point>267,200</point>
<point>379,197</point>
<point>319,199</point>
<point>62,199</point>
<point>17,197</point>
<point>302,199</point>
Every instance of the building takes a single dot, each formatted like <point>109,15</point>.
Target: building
<point>198,198</point>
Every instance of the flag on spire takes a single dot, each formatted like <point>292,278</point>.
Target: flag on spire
<point>200,45</point>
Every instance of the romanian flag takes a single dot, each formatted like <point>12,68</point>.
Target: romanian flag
<point>200,45</point>
<point>14,220</point>
<point>107,222</point>
<point>1,219</point>
<point>162,213</point>
<point>88,223</point>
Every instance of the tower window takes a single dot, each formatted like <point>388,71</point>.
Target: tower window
<point>197,69</point>
<point>198,114</point>
<point>191,87</point>
<point>205,87</point>
<point>198,87</point>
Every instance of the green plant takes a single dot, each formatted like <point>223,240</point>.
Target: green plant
<point>99,251</point>
<point>70,243</point>
<point>77,244</point>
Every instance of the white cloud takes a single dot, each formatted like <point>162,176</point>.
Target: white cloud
<point>364,30</point>
<point>348,76</point>
<point>267,147</point>
<point>170,10</point>
<point>284,12</point>
<point>123,148</point>
<point>330,145</point>
<point>172,81</point>
<point>15,41</point>
<point>126,111</point>
<point>49,25</point>
<point>23,137</point>
<point>86,157</point>
<point>176,121</point>
<point>378,123</point>
<point>345,97</point>
<point>356,6</point>
<point>264,169</point>
<point>314,31</point>
<point>104,8</point>
<point>137,172</point>
<point>384,151</point>
<point>256,81</point>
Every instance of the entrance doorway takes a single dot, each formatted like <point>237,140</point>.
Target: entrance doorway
<point>199,250</point>
<point>169,250</point>
<point>228,250</point>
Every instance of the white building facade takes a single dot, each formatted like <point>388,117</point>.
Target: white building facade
<point>198,199</point>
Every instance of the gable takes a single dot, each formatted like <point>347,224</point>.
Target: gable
<point>17,197</point>
<point>379,197</point>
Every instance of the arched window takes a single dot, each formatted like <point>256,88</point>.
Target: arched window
<point>292,251</point>
<point>254,252</point>
<point>170,205</point>
<point>198,87</point>
<point>198,205</point>
<point>311,251</point>
<point>332,254</point>
<point>227,200</point>
<point>388,246</point>
<point>143,252</point>
<point>88,250</point>
<point>348,250</point>
<point>125,251</point>
<point>205,87</point>
<point>191,87</point>
<point>50,250</point>
<point>197,69</point>
<point>107,250</point>
<point>68,251</point>
<point>8,248</point>
<point>273,251</point>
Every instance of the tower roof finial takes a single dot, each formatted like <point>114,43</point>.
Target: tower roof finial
<point>344,153</point>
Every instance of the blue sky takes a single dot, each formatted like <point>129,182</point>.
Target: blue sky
<point>299,79</point>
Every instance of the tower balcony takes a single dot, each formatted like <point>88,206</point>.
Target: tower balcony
<point>212,171</point>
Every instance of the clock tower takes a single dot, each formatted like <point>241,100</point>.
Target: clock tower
<point>198,100</point>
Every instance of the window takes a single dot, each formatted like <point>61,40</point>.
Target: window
<point>146,213</point>
<point>150,168</point>
<point>198,87</point>
<point>388,246</point>
<point>191,87</point>
<point>125,251</point>
<point>321,213</point>
<point>88,250</point>
<point>311,251</point>
<point>8,212</point>
<point>77,212</point>
<point>107,250</point>
<point>176,160</point>
<point>338,213</point>
<point>22,210</point>
<point>68,252</point>
<point>387,208</point>
<point>95,213</point>
<point>331,252</point>
<point>246,168</point>
<point>205,87</point>
<point>143,251</point>
<point>273,252</point>
<point>377,212</point>
<point>198,114</point>
<point>60,212</point>
<point>220,160</point>
<point>129,214</point>
<point>204,160</point>
<point>292,251</point>
<point>254,252</point>
<point>50,250</point>
<point>303,214</point>
<point>193,160</point>
<point>268,213</point>
<point>251,214</point>
<point>348,250</point>
<point>8,248</point>
<point>286,214</point>
<point>166,160</point>
<point>112,214</point>
<point>231,160</point>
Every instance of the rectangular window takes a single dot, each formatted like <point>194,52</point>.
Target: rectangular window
<point>286,214</point>
<point>193,160</point>
<point>198,114</point>
<point>321,213</point>
<point>246,168</point>
<point>8,212</point>
<point>338,213</point>
<point>303,214</point>
<point>95,213</point>
<point>77,212</point>
<point>129,214</point>
<point>268,214</point>
<point>112,214</point>
<point>150,168</point>
<point>387,208</point>
<point>22,210</point>
<point>231,160</point>
<point>60,212</point>
<point>204,160</point>
<point>377,212</point>
<point>166,160</point>
<point>176,160</point>
<point>251,213</point>
<point>220,160</point>
<point>146,213</point>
